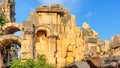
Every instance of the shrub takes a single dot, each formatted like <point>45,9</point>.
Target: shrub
<point>39,63</point>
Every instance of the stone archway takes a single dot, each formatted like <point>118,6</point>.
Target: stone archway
<point>6,54</point>
<point>11,28</point>
<point>9,39</point>
<point>45,29</point>
<point>42,40</point>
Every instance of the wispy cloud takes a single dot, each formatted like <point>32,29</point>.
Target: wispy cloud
<point>89,14</point>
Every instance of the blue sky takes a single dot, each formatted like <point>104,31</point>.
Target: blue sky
<point>102,15</point>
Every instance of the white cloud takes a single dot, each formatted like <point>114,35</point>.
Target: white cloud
<point>88,14</point>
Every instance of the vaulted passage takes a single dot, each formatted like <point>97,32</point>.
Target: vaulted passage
<point>11,28</point>
<point>9,48</point>
<point>10,39</point>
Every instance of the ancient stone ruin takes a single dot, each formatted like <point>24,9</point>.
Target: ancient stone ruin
<point>52,31</point>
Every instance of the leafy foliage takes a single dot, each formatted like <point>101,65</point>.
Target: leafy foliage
<point>39,63</point>
<point>2,20</point>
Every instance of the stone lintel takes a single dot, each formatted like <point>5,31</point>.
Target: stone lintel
<point>54,8</point>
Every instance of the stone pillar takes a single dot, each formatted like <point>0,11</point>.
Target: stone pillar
<point>52,49</point>
<point>26,47</point>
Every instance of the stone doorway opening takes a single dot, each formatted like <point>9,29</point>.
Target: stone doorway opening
<point>19,34</point>
<point>41,41</point>
<point>41,33</point>
<point>9,48</point>
<point>9,53</point>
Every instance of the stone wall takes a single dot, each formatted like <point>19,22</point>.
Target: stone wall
<point>56,35</point>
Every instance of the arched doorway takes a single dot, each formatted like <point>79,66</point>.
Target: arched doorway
<point>41,41</point>
<point>9,48</point>
<point>41,33</point>
<point>11,28</point>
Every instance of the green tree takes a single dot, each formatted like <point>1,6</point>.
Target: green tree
<point>2,20</point>
<point>39,63</point>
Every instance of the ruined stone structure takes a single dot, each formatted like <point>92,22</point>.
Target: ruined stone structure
<point>7,8</point>
<point>52,31</point>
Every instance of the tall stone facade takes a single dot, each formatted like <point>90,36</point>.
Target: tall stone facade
<point>52,31</point>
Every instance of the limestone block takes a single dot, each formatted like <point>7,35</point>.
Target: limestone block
<point>61,54</point>
<point>51,61</point>
<point>67,29</point>
<point>115,42</point>
<point>76,52</point>
<point>77,29</point>
<point>98,49</point>
<point>71,48</point>
<point>80,50</point>
<point>50,54</point>
<point>61,62</point>
<point>62,44</point>
<point>73,21</point>
<point>52,47</point>
<point>78,58</point>
<point>91,39</point>
<point>93,50</point>
<point>25,55</point>
<point>85,25</point>
<point>91,44</point>
<point>38,46</point>
<point>26,48</point>
<point>72,41</point>
<point>28,36</point>
<point>79,42</point>
<point>70,54</point>
<point>52,39</point>
<point>42,47</point>
<point>59,19</point>
<point>70,60</point>
<point>95,33</point>
<point>72,33</point>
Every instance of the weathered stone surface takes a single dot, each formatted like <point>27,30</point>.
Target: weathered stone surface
<point>114,46</point>
<point>7,8</point>
<point>85,25</point>
<point>52,31</point>
<point>70,60</point>
<point>78,65</point>
<point>111,62</point>
<point>94,62</point>
<point>115,41</point>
